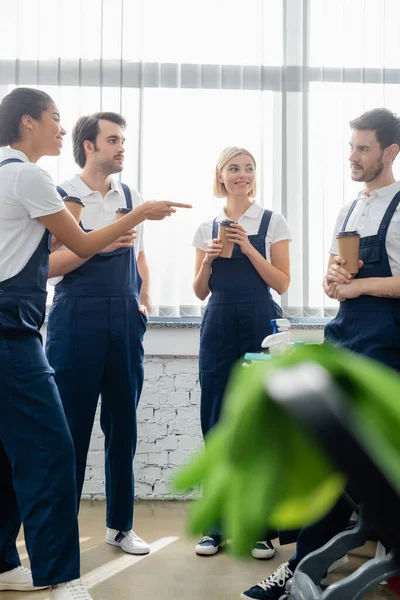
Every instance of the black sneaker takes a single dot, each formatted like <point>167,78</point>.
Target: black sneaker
<point>272,588</point>
<point>263,550</point>
<point>208,545</point>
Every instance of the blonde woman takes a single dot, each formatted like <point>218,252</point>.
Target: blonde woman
<point>239,312</point>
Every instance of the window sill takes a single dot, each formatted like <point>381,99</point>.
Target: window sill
<point>181,336</point>
<point>299,324</point>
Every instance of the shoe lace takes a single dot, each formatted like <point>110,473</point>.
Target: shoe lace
<point>206,538</point>
<point>264,543</point>
<point>77,590</point>
<point>278,579</point>
<point>24,570</point>
<point>132,536</point>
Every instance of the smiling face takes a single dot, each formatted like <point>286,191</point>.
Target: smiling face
<point>106,154</point>
<point>47,133</point>
<point>238,175</point>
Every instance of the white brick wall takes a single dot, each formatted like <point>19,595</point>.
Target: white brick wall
<point>168,429</point>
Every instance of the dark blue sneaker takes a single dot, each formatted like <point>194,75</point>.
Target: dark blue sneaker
<point>208,545</point>
<point>272,588</point>
<point>263,550</point>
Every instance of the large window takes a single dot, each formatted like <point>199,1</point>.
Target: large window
<point>280,77</point>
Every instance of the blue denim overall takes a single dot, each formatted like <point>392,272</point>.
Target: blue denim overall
<point>236,320</point>
<point>94,344</point>
<point>370,325</point>
<point>37,463</point>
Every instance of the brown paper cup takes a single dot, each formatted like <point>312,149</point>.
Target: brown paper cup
<point>122,212</point>
<point>74,208</point>
<point>227,246</point>
<point>349,249</point>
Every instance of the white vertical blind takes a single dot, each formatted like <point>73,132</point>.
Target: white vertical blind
<point>280,77</point>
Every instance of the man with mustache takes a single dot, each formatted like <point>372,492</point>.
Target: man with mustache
<point>98,320</point>
<point>368,320</point>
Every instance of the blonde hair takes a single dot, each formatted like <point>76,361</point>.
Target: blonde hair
<point>226,155</point>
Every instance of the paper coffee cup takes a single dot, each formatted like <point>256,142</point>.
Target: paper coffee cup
<point>121,212</point>
<point>227,245</point>
<point>349,249</point>
<point>75,206</point>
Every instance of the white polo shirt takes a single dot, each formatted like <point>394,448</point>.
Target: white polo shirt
<point>27,192</point>
<point>278,229</point>
<point>366,218</point>
<point>99,211</point>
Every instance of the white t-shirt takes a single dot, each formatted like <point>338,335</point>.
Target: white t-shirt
<point>366,218</point>
<point>278,229</point>
<point>27,192</point>
<point>99,211</point>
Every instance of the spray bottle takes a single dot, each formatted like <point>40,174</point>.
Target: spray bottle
<point>279,341</point>
<point>275,344</point>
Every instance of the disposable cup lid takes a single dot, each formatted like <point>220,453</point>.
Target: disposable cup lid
<point>342,234</point>
<point>226,222</point>
<point>73,199</point>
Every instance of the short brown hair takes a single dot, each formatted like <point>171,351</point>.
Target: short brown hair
<point>384,122</point>
<point>87,128</point>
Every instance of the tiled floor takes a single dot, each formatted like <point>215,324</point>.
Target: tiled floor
<point>172,571</point>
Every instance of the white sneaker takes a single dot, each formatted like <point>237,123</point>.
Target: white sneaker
<point>72,590</point>
<point>209,545</point>
<point>128,541</point>
<point>18,580</point>
<point>263,549</point>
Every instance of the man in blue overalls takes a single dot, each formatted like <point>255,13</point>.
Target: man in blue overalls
<point>97,323</point>
<point>368,320</point>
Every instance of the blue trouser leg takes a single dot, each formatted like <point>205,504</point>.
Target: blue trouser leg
<point>35,437</point>
<point>315,536</point>
<point>10,521</point>
<point>212,392</point>
<point>80,395</point>
<point>218,353</point>
<point>121,389</point>
<point>254,324</point>
<point>228,332</point>
<point>77,346</point>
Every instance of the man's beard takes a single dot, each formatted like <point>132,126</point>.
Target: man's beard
<point>371,173</point>
<point>109,167</point>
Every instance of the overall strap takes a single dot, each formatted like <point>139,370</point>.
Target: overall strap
<point>352,207</point>
<point>128,195</point>
<point>7,161</point>
<point>387,217</point>
<point>266,218</point>
<point>214,229</point>
<point>62,192</point>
